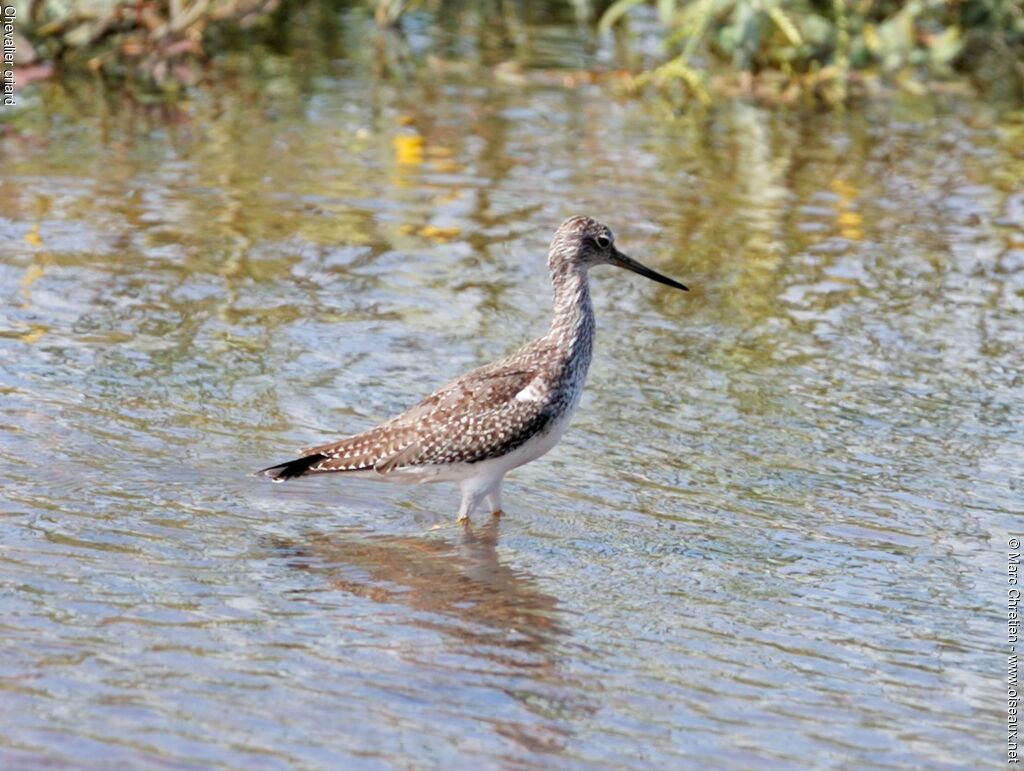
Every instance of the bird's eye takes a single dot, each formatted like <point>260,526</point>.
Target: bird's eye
<point>603,242</point>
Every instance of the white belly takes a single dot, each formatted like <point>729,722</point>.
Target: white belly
<point>536,446</point>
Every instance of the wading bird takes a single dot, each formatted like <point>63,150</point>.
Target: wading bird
<point>479,427</point>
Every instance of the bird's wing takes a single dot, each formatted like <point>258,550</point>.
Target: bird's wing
<point>470,419</point>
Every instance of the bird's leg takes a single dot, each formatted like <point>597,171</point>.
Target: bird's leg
<point>494,499</point>
<point>471,497</point>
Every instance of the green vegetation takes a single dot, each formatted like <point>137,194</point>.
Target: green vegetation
<point>789,48</point>
<point>778,51</point>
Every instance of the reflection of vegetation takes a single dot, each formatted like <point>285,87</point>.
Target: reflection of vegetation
<point>824,46</point>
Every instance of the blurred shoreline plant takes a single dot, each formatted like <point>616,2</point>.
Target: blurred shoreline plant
<point>777,51</point>
<point>159,41</point>
<point>784,50</point>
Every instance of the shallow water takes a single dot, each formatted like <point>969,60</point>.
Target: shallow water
<point>774,536</point>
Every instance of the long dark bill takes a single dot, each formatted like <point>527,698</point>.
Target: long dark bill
<point>627,262</point>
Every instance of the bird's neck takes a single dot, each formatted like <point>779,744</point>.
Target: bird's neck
<point>572,328</point>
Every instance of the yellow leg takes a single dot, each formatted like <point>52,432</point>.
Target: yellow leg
<point>494,500</point>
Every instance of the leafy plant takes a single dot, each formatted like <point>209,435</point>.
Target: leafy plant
<point>825,45</point>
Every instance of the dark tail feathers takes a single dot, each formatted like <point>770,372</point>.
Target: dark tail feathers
<point>282,472</point>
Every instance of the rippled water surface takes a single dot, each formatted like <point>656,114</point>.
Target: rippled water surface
<point>774,536</point>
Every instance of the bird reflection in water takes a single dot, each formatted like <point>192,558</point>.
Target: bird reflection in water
<point>462,590</point>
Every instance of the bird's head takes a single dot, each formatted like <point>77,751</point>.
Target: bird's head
<point>580,243</point>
